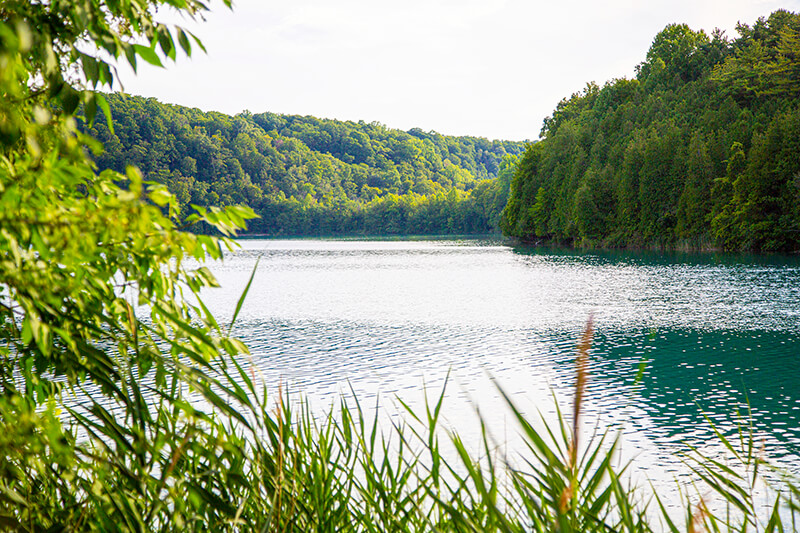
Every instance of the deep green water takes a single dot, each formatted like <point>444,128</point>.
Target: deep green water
<point>719,333</point>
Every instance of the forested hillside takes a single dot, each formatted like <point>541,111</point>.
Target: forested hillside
<point>701,149</point>
<point>307,176</point>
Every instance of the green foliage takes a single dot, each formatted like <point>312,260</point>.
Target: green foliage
<point>102,334</point>
<point>765,60</point>
<point>674,57</point>
<point>698,151</point>
<point>126,406</point>
<point>308,176</point>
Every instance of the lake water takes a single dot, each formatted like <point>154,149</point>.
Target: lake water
<point>395,318</point>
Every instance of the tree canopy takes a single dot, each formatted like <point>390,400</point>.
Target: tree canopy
<point>310,176</point>
<point>699,150</point>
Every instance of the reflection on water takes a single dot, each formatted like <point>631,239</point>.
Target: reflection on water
<point>719,331</point>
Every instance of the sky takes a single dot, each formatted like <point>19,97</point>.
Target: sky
<point>485,68</point>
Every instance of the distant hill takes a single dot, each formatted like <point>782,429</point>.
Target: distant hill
<point>310,176</point>
<point>701,149</point>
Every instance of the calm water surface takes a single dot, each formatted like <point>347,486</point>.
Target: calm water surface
<point>395,318</point>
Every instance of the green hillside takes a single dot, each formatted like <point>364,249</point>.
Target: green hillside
<point>309,176</point>
<point>701,149</point>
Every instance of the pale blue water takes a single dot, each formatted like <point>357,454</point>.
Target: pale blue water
<point>388,318</point>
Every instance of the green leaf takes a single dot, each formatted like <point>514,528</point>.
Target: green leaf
<point>103,103</point>
<point>106,77</point>
<point>166,42</point>
<point>198,42</point>
<point>130,54</point>
<point>90,108</point>
<point>159,194</point>
<point>243,296</point>
<point>90,68</point>
<point>148,54</point>
<point>183,40</point>
<point>69,98</point>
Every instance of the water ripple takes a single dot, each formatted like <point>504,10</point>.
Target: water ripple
<point>718,333</point>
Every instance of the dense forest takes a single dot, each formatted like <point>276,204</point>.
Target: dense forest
<point>700,150</point>
<point>308,176</point>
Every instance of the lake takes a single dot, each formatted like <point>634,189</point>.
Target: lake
<point>719,334</point>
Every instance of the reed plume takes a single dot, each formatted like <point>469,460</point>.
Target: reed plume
<point>581,364</point>
<point>582,377</point>
<point>698,518</point>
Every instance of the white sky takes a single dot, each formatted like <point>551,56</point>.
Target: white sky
<point>488,68</point>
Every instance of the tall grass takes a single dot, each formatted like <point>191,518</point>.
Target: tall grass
<point>241,460</point>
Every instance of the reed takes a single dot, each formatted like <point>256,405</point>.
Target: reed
<point>240,460</point>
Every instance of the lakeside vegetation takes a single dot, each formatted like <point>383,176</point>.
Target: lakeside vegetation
<point>310,176</point>
<point>126,406</point>
<point>699,150</point>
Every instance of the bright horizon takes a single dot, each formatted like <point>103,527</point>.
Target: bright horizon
<point>474,68</point>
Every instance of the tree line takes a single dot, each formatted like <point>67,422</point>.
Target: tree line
<point>701,149</point>
<point>310,176</point>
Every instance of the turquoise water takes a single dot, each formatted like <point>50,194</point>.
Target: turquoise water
<point>719,334</point>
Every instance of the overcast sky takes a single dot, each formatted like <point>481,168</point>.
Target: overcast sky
<point>487,68</point>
